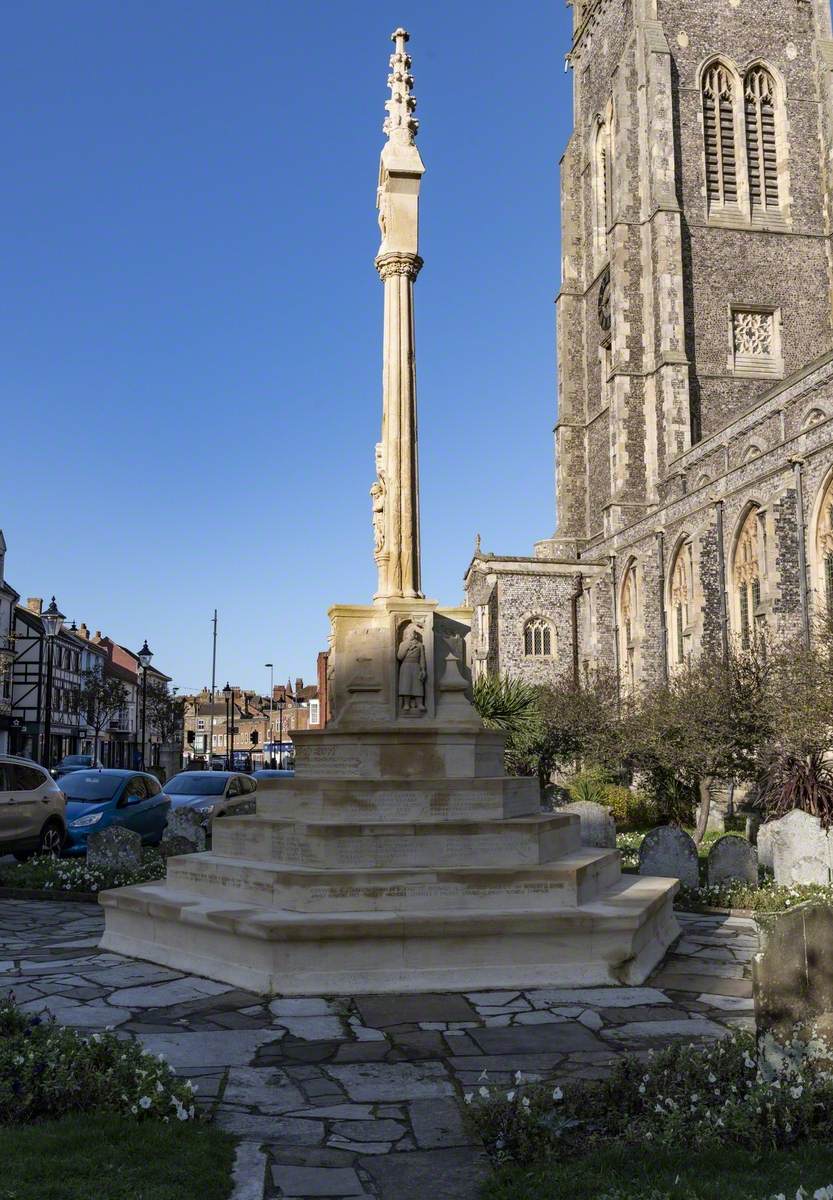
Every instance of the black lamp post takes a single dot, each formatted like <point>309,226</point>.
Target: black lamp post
<point>228,693</point>
<point>53,620</point>
<point>144,656</point>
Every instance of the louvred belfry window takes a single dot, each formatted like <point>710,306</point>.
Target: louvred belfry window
<point>719,133</point>
<point>761,152</point>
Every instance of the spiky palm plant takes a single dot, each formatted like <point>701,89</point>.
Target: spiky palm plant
<point>507,704</point>
<point>803,781</point>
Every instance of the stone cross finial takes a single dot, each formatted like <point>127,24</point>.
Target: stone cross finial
<point>400,125</point>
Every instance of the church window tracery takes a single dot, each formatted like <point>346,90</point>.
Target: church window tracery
<point>822,551</point>
<point>718,88</point>
<point>629,629</point>
<point>538,638</point>
<point>748,576</point>
<point>681,597</point>
<point>761,144</point>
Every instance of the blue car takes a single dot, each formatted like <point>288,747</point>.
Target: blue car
<point>98,799</point>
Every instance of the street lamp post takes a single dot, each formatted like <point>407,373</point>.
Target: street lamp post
<point>271,699</point>
<point>53,620</point>
<point>144,656</point>
<point>228,693</point>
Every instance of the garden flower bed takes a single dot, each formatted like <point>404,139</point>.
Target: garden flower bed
<point>677,1109</point>
<point>47,1071</point>
<point>73,878</point>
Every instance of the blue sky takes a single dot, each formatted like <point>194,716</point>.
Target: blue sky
<point>192,321</point>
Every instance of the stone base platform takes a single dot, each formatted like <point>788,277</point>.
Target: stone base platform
<point>398,860</point>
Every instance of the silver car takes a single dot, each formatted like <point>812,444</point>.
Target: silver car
<point>212,794</point>
<point>32,809</point>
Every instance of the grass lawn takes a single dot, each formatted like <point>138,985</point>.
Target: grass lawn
<point>100,1157</point>
<point>628,1174</point>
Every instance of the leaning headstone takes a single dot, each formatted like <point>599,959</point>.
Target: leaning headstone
<point>114,849</point>
<point>186,823</point>
<point>598,827</point>
<point>669,851</point>
<point>173,844</point>
<point>732,857</point>
<point>802,852</point>
<point>720,793</point>
<point>793,978</point>
<point>764,844</point>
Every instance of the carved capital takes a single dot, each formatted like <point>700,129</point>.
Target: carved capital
<point>398,264</point>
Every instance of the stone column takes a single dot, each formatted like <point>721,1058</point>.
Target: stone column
<point>399,560</point>
<point>395,491</point>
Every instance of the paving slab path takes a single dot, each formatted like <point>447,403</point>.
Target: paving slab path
<point>362,1096</point>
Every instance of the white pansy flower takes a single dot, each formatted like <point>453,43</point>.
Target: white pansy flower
<point>557,1094</point>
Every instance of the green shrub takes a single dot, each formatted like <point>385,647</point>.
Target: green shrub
<point>630,809</point>
<point>47,1071</point>
<point>680,1096</point>
<point>589,785</point>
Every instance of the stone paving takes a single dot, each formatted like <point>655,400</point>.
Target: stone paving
<point>362,1096</point>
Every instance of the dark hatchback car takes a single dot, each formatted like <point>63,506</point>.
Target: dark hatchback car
<point>74,762</point>
<point>99,799</point>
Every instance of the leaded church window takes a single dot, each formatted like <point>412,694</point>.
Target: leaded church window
<point>822,549</point>
<point>680,597</point>
<point>538,638</point>
<point>748,578</point>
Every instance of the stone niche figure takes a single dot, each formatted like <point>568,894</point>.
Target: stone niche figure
<point>377,498</point>
<point>412,670</point>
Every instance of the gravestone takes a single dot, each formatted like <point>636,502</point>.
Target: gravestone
<point>793,977</point>
<point>753,824</point>
<point>764,844</point>
<point>802,852</point>
<point>598,827</point>
<point>732,857</point>
<point>669,851</point>
<point>114,849</point>
<point>186,823</point>
<point>174,843</point>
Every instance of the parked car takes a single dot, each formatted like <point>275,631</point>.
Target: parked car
<point>97,800</point>
<point>74,762</point>
<point>272,773</point>
<point>32,809</point>
<point>213,794</point>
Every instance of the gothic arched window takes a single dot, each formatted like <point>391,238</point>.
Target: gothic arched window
<point>680,597</point>
<point>629,628</point>
<point>823,551</point>
<point>748,575</point>
<point>761,147</point>
<point>601,188</point>
<point>718,89</point>
<point>539,638</point>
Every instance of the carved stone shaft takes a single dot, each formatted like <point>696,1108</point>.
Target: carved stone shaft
<point>399,571</point>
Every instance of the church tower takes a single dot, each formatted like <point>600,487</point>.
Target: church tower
<point>695,209</point>
<point>694,437</point>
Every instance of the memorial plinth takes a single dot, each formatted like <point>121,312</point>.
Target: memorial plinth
<point>400,857</point>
